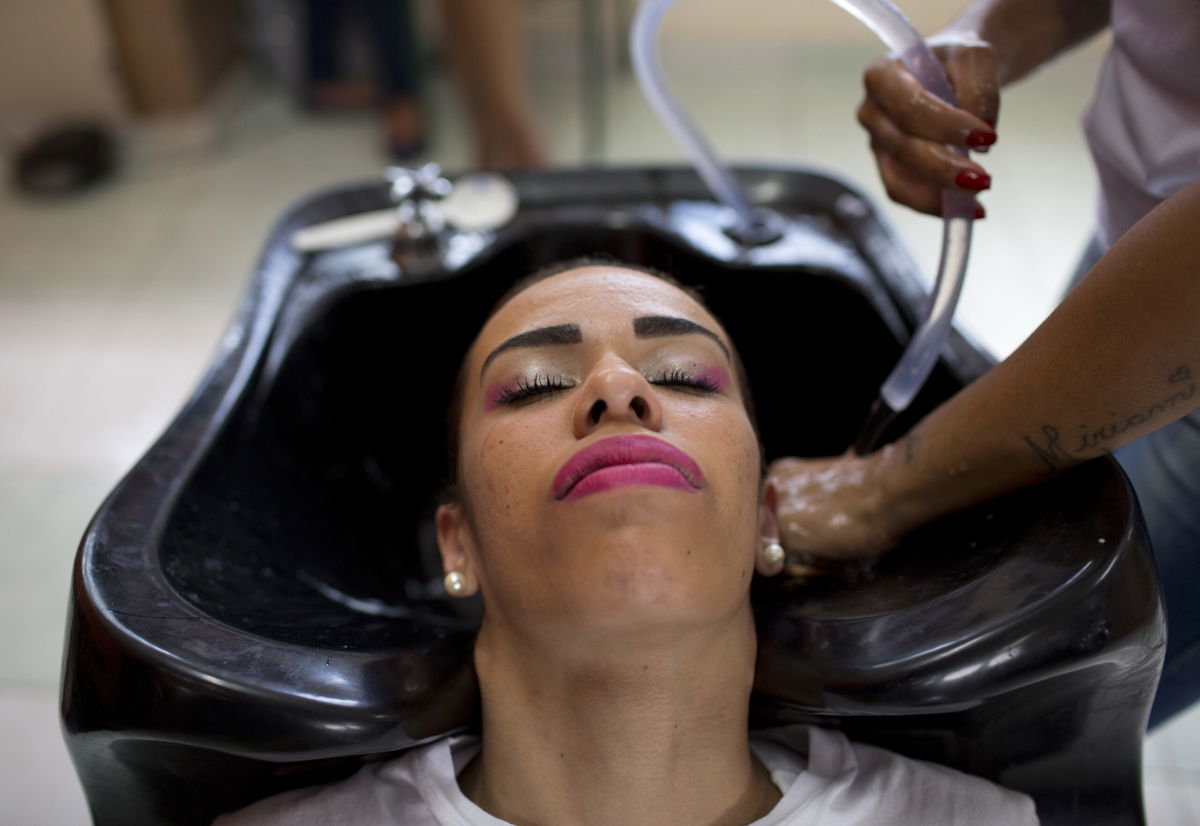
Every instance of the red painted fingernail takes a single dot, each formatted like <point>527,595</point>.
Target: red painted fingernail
<point>978,138</point>
<point>980,212</point>
<point>970,179</point>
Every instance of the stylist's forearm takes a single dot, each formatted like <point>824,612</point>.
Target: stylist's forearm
<point>1028,33</point>
<point>1119,358</point>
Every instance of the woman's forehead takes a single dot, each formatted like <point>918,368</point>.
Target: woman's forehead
<point>592,297</point>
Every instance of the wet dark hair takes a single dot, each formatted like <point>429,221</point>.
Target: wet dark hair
<point>454,412</point>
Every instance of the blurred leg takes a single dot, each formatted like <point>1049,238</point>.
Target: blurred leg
<point>483,38</point>
<point>326,89</point>
<point>320,40</point>
<point>391,26</point>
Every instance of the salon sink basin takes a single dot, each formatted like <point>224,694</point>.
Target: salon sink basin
<point>257,606</point>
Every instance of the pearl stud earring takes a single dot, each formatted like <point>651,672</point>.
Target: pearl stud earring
<point>772,556</point>
<point>456,584</point>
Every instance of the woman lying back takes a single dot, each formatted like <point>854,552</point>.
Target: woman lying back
<point>610,508</point>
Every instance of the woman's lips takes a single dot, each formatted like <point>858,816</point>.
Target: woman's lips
<point>626,460</point>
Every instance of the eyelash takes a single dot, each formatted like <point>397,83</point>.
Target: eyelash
<point>684,379</point>
<point>525,389</point>
<point>541,384</point>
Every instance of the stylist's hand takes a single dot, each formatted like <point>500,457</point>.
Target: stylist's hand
<point>833,510</point>
<point>910,128</point>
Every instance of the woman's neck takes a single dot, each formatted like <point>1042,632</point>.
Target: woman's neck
<point>634,731</point>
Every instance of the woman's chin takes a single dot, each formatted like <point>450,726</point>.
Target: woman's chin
<point>634,517</point>
<point>642,596</point>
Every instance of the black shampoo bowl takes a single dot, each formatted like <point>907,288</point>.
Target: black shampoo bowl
<point>257,606</point>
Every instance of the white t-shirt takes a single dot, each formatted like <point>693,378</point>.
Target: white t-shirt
<point>1144,125</point>
<point>824,779</point>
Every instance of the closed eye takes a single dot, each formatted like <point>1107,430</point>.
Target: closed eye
<point>527,389</point>
<point>678,378</point>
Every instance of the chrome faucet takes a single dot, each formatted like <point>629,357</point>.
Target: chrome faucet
<point>420,235</point>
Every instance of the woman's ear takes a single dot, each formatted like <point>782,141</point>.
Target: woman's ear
<point>768,512</point>
<point>457,546</point>
<point>769,556</point>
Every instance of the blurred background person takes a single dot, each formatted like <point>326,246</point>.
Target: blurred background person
<point>485,43</point>
<point>482,43</point>
<point>388,25</point>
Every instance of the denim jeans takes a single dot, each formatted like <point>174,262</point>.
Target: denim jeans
<point>389,24</point>
<point>1164,468</point>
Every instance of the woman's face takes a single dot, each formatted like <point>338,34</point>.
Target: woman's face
<point>609,472</point>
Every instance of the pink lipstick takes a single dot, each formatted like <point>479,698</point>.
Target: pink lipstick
<point>619,461</point>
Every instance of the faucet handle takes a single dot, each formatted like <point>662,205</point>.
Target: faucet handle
<point>419,239</point>
<point>415,214</point>
<point>424,183</point>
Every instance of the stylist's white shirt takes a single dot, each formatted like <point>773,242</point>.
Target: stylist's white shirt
<point>1143,126</point>
<point>824,778</point>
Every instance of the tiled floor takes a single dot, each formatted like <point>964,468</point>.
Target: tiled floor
<point>110,305</point>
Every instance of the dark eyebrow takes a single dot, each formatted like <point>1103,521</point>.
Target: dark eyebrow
<point>541,337</point>
<point>652,326</point>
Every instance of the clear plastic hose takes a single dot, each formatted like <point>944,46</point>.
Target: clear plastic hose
<point>958,210</point>
<point>643,49</point>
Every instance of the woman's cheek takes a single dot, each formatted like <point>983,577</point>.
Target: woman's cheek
<point>728,431</point>
<point>513,449</point>
<point>699,415</point>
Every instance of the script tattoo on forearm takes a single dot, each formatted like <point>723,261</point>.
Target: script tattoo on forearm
<point>1056,449</point>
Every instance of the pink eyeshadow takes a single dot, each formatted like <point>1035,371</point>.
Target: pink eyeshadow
<point>492,396</point>
<point>715,376</point>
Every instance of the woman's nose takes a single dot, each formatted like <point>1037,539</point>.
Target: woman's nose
<point>616,394</point>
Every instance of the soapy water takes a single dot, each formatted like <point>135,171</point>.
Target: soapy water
<point>754,227</point>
